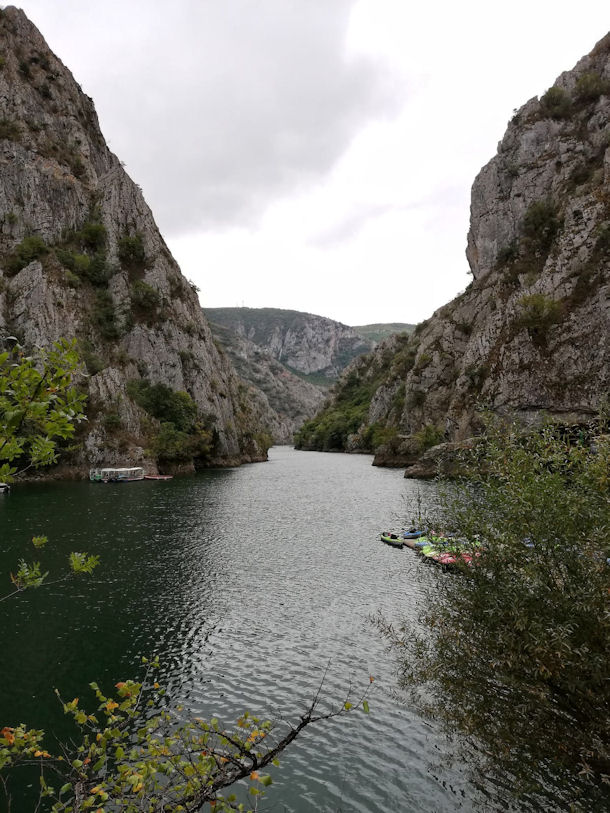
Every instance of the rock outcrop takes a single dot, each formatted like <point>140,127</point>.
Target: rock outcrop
<point>531,334</point>
<point>82,257</point>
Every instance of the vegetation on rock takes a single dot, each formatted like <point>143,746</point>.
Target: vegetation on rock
<point>182,433</point>
<point>346,413</point>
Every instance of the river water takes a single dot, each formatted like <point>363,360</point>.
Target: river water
<point>249,583</point>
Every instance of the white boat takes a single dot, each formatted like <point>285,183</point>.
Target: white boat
<point>116,475</point>
<point>5,488</point>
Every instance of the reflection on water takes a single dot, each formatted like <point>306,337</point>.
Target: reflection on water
<point>248,582</point>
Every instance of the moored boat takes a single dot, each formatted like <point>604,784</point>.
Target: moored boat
<point>411,536</point>
<point>158,476</point>
<point>449,552</point>
<point>391,539</point>
<point>117,475</point>
<point>5,488</point>
<point>412,533</point>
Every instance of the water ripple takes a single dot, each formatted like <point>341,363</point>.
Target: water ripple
<point>253,585</point>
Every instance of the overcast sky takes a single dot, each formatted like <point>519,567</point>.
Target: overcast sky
<point>315,154</point>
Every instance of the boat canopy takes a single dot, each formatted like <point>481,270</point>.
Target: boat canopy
<point>115,475</point>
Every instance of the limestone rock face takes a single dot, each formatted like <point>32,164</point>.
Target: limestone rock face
<point>291,399</point>
<point>82,257</point>
<point>531,333</point>
<point>300,341</point>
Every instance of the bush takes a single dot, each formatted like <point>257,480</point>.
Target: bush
<point>28,250</point>
<point>428,436</point>
<point>590,86</point>
<point>163,403</point>
<point>602,244</point>
<point>513,651</point>
<point>540,225</point>
<point>131,252</point>
<point>84,253</point>
<point>476,375</point>
<point>93,362</point>
<point>507,254</point>
<point>556,103</point>
<point>378,434</point>
<point>104,315</point>
<point>93,235</point>
<point>539,314</point>
<point>73,280</point>
<point>144,298</point>
<point>112,422</point>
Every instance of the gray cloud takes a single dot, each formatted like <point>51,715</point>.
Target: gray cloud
<point>352,224</point>
<point>219,108</point>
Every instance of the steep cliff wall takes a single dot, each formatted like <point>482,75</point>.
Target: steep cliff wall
<point>81,256</point>
<point>531,334</point>
<point>311,345</point>
<point>291,399</point>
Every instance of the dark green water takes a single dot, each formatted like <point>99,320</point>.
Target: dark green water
<point>247,582</point>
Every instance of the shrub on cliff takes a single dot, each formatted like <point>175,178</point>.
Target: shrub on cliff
<point>590,86</point>
<point>556,103</point>
<point>131,251</point>
<point>539,313</point>
<point>540,225</point>
<point>29,249</point>
<point>163,403</point>
<point>145,300</point>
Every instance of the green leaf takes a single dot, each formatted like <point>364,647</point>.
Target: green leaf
<point>365,706</point>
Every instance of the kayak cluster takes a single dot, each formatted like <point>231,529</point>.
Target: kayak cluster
<point>444,550</point>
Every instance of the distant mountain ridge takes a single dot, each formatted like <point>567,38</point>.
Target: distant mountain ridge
<point>309,345</point>
<point>379,331</point>
<point>291,357</point>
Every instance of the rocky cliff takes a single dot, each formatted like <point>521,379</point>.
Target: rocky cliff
<point>312,346</point>
<point>81,257</point>
<point>313,352</point>
<point>531,334</point>
<point>292,400</point>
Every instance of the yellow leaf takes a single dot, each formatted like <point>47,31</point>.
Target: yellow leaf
<point>110,705</point>
<point>254,775</point>
<point>8,735</point>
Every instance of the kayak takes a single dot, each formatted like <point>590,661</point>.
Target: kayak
<point>431,539</point>
<point>391,539</point>
<point>410,537</point>
<point>450,554</point>
<point>412,534</point>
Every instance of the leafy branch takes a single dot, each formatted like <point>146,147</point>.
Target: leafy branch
<point>132,760</point>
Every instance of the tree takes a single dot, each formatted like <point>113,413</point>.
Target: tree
<point>133,752</point>
<point>512,651</point>
<point>39,405</point>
